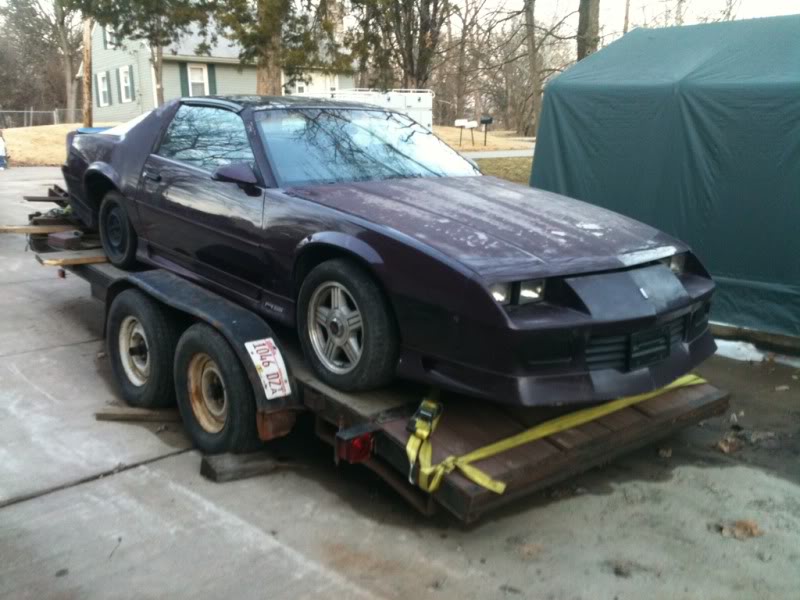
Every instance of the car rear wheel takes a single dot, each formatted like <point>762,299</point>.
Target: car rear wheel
<point>215,397</point>
<point>116,232</point>
<point>346,327</point>
<point>141,337</point>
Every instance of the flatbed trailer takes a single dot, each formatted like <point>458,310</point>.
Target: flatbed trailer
<point>552,444</point>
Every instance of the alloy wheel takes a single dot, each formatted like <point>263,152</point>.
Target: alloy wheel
<point>335,326</point>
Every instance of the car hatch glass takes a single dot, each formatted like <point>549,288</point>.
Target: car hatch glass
<point>207,138</point>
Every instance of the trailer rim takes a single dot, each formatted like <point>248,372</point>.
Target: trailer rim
<point>134,351</point>
<point>208,394</point>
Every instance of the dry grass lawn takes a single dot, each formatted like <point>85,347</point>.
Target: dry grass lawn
<point>517,170</point>
<point>45,145</point>
<point>39,146</point>
<point>493,142</point>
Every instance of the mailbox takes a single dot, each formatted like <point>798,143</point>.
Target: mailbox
<point>486,120</point>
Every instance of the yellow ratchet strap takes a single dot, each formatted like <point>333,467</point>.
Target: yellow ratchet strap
<point>419,447</point>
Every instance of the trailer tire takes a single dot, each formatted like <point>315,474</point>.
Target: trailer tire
<point>215,397</point>
<point>141,336</point>
<point>117,235</point>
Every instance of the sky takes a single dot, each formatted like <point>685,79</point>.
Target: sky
<point>612,12</point>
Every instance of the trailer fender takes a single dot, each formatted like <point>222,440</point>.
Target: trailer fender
<point>252,339</point>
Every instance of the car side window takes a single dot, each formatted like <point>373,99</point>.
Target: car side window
<point>206,137</point>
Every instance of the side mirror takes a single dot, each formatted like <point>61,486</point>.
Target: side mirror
<point>240,173</point>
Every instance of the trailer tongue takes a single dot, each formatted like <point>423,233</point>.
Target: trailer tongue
<point>465,455</point>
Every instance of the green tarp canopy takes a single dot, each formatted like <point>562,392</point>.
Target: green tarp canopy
<point>696,131</point>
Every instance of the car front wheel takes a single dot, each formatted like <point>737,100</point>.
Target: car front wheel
<point>346,327</point>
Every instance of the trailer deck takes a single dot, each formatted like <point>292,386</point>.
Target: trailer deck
<point>465,424</point>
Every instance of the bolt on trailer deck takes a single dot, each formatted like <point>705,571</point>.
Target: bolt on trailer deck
<point>465,455</point>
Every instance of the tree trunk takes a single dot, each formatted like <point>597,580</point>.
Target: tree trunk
<point>268,71</point>
<point>157,60</point>
<point>87,73</point>
<point>534,66</point>
<point>588,27</point>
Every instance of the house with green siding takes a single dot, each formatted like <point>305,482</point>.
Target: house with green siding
<point>124,80</point>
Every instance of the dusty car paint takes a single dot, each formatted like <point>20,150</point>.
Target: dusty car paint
<point>433,244</point>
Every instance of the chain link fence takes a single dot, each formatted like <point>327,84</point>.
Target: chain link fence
<point>35,118</point>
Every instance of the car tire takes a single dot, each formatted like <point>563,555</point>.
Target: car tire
<point>215,396</point>
<point>371,359</point>
<point>117,235</point>
<point>141,336</point>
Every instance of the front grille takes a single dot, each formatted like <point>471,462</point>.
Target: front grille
<point>636,349</point>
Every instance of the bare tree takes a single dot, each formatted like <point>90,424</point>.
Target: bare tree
<point>53,28</point>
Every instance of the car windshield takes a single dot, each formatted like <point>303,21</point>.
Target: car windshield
<point>314,146</point>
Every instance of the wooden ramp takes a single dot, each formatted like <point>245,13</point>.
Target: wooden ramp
<point>466,425</point>
<point>72,258</point>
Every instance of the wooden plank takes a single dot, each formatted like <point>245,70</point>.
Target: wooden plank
<point>54,199</point>
<point>230,467</point>
<point>695,404</point>
<point>133,414</point>
<point>622,419</point>
<point>73,257</point>
<point>28,229</point>
<point>588,433</point>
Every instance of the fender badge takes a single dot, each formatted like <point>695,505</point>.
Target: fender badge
<point>644,294</point>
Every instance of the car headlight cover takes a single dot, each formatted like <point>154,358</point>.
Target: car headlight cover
<point>531,291</point>
<point>676,262</point>
<point>501,292</point>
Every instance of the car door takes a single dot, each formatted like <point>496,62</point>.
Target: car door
<point>190,220</point>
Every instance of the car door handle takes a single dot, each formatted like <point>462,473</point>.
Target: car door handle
<point>152,176</point>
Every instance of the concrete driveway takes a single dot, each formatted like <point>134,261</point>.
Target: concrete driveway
<point>109,510</point>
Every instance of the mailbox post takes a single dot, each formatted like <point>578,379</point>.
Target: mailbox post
<point>486,120</point>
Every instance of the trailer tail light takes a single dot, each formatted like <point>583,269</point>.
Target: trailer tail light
<point>355,445</point>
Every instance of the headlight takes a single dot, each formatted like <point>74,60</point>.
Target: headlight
<point>676,262</point>
<point>531,291</point>
<point>501,292</point>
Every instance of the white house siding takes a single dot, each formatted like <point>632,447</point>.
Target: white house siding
<point>108,59</point>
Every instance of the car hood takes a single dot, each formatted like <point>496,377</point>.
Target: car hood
<point>497,228</point>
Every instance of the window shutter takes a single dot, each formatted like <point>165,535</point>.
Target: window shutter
<point>212,80</point>
<point>130,80</point>
<point>119,86</point>
<point>108,87</point>
<point>184,73</point>
<point>97,88</point>
<point>105,39</point>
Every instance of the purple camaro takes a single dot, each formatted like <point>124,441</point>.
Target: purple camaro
<point>391,254</point>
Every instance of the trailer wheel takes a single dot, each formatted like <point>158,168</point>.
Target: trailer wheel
<point>116,232</point>
<point>141,337</point>
<point>215,397</point>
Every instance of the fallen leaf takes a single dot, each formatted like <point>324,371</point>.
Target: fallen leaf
<point>740,530</point>
<point>530,550</point>
<point>729,444</point>
<point>781,388</point>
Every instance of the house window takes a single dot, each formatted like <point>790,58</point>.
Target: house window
<point>103,92</point>
<point>125,85</point>
<point>110,38</point>
<point>198,80</point>
<point>301,89</point>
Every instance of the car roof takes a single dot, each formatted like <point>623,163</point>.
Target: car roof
<point>240,102</point>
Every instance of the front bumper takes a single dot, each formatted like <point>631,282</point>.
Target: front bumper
<point>549,356</point>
